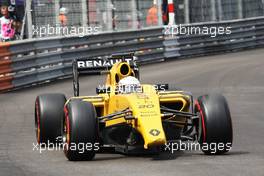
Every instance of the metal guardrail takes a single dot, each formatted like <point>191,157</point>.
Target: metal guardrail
<point>24,63</point>
<point>29,62</point>
<point>246,33</point>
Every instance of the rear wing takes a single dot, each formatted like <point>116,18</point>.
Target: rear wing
<point>98,66</point>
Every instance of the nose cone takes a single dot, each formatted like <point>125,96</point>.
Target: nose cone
<point>146,109</point>
<point>152,131</point>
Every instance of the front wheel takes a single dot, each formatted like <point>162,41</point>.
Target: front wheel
<point>80,131</point>
<point>215,124</point>
<point>48,117</point>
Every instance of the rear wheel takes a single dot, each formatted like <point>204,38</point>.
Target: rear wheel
<point>48,117</point>
<point>80,131</point>
<point>215,124</point>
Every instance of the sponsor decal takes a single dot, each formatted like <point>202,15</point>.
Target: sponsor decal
<point>101,63</point>
<point>148,114</point>
<point>142,96</point>
<point>147,106</point>
<point>154,132</point>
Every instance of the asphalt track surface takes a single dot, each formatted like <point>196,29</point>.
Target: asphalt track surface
<point>239,76</point>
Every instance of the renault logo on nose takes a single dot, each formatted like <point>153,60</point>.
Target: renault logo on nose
<point>154,132</point>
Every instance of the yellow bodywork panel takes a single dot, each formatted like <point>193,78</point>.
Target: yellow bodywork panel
<point>97,101</point>
<point>144,105</point>
<point>146,110</point>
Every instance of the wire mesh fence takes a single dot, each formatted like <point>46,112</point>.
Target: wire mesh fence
<point>218,10</point>
<point>200,10</point>
<point>229,10</point>
<point>73,11</point>
<point>43,12</point>
<point>253,8</point>
<point>108,15</point>
<point>118,15</point>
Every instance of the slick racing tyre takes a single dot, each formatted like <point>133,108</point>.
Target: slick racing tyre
<point>215,124</point>
<point>80,131</point>
<point>49,117</point>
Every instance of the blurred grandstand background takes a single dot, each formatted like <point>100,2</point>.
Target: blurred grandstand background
<point>118,15</point>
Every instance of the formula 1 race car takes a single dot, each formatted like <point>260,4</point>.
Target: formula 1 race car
<point>127,115</point>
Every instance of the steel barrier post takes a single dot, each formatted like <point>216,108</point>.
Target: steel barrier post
<point>84,13</point>
<point>220,10</point>
<point>186,12</point>
<point>213,10</point>
<point>240,9</point>
<point>29,18</point>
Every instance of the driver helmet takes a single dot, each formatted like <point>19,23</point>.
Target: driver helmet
<point>128,85</point>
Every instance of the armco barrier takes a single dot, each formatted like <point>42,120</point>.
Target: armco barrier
<point>29,62</point>
<point>35,61</point>
<point>246,33</point>
<point>5,67</point>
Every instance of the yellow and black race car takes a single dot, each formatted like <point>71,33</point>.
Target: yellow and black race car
<point>126,114</point>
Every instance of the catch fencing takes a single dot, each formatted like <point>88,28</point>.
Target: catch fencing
<point>31,62</point>
<point>119,15</point>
